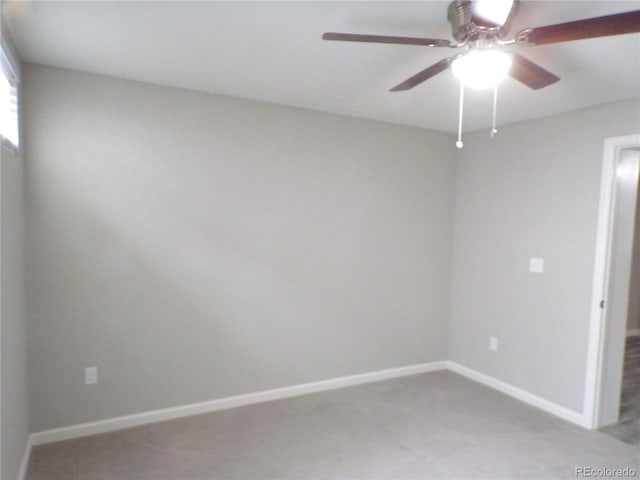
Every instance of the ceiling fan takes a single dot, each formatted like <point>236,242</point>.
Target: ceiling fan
<point>481,26</point>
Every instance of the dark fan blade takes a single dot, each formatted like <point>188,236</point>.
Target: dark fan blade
<point>425,74</point>
<point>617,24</point>
<point>354,37</point>
<point>531,74</point>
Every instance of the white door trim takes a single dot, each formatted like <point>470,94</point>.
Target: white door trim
<point>613,147</point>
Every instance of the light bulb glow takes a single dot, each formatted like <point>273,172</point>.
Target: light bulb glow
<point>482,68</point>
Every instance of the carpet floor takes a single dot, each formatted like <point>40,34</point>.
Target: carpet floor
<point>430,426</point>
<point>628,428</point>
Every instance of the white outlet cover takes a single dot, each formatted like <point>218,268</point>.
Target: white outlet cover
<point>91,375</point>
<point>493,343</point>
<point>536,265</point>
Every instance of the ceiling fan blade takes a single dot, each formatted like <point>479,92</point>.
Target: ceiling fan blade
<point>531,74</point>
<point>356,37</point>
<point>617,24</point>
<point>424,75</point>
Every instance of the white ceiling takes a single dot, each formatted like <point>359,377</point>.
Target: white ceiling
<point>272,51</point>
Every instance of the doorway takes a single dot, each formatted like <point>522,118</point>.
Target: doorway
<point>612,280</point>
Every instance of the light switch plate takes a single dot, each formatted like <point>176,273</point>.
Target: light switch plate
<point>91,375</point>
<point>536,265</point>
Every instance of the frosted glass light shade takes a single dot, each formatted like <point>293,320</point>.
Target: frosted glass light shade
<point>482,68</point>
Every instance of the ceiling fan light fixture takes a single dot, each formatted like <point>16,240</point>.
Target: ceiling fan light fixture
<point>481,68</point>
<point>494,11</point>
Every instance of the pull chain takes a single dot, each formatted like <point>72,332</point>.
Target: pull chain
<point>495,107</point>
<point>459,143</point>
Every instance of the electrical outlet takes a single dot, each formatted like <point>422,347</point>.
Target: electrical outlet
<point>91,375</point>
<point>536,265</point>
<point>493,344</point>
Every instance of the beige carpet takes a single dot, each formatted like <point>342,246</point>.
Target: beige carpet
<point>628,430</point>
<point>431,426</point>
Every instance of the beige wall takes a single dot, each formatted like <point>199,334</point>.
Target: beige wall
<point>14,401</point>
<point>194,246</point>
<point>14,415</point>
<point>531,192</point>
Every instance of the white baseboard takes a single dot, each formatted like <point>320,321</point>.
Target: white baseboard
<point>24,464</point>
<point>128,421</point>
<point>522,395</point>
<point>118,423</point>
<point>633,332</point>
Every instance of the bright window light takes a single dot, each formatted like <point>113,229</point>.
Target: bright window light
<point>8,104</point>
<point>494,11</point>
<point>482,68</point>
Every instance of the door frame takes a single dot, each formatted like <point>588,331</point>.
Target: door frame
<point>613,148</point>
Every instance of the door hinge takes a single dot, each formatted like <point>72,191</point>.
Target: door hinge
<point>602,304</point>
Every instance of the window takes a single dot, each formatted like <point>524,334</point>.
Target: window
<point>8,102</point>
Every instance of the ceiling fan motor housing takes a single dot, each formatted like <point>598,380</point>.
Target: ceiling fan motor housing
<point>466,26</point>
